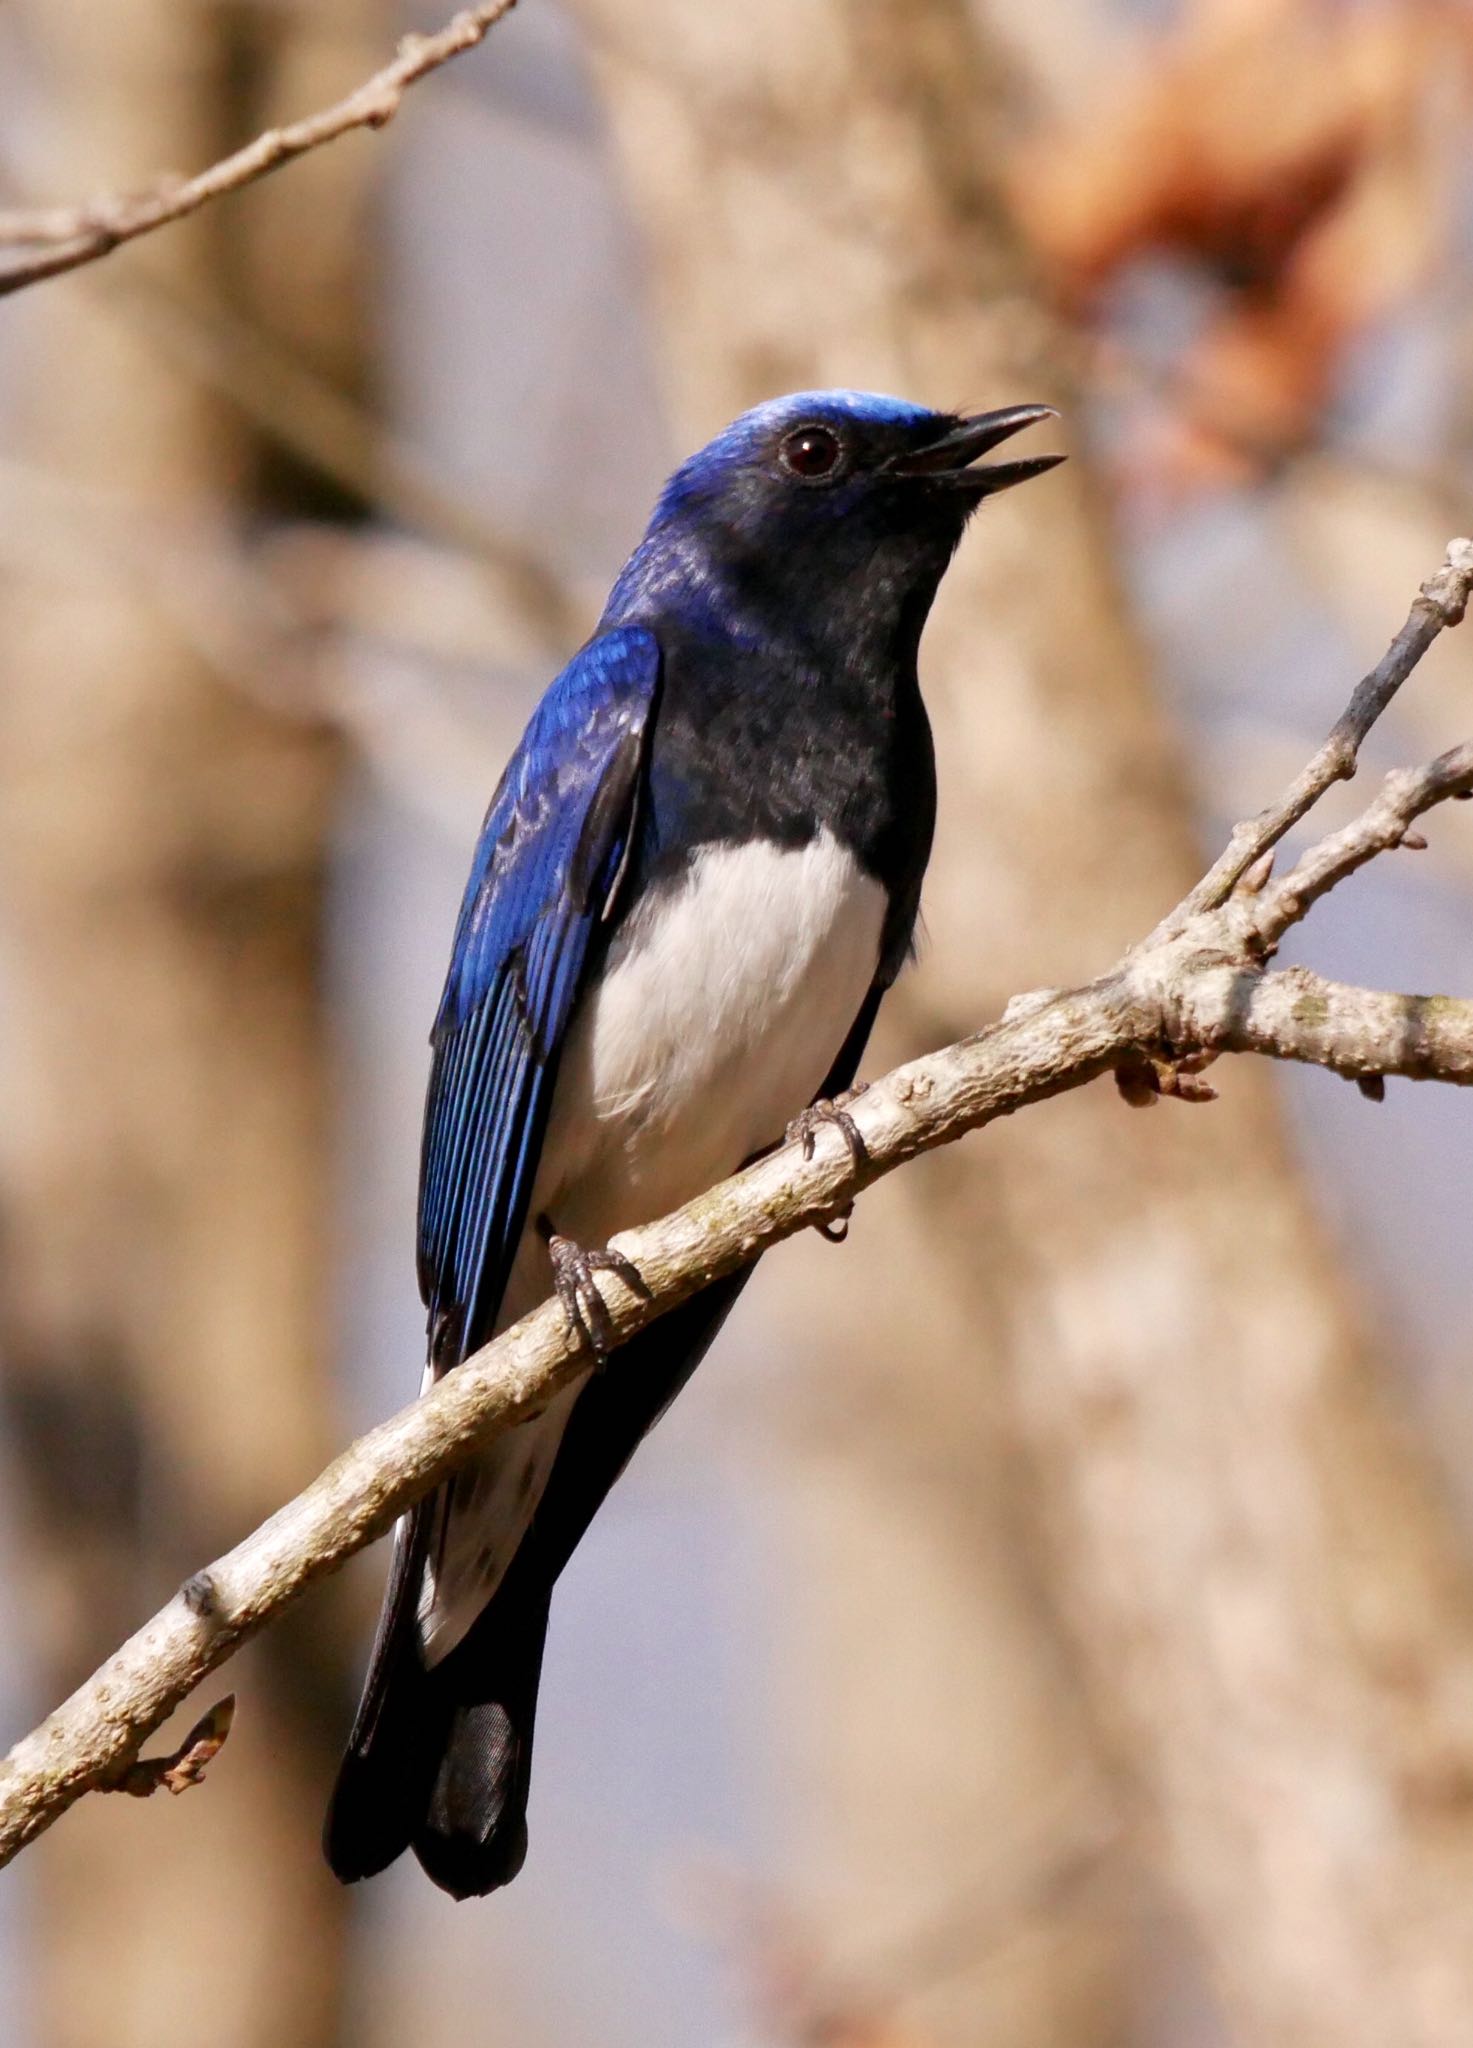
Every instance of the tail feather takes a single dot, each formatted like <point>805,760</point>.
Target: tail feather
<point>444,1764</point>
<point>439,1759</point>
<point>385,1778</point>
<point>473,1837</point>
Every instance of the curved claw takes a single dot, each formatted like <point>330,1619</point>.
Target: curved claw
<point>804,1130</point>
<point>836,1229</point>
<point>573,1269</point>
<point>835,1115</point>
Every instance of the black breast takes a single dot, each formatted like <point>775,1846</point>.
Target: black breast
<point>753,743</point>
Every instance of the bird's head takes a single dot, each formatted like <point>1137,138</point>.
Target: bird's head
<point>844,492</point>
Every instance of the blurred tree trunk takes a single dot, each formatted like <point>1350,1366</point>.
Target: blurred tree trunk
<point>164,1171</point>
<point>1219,1549</point>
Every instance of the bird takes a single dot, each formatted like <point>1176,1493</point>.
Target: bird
<point>698,876</point>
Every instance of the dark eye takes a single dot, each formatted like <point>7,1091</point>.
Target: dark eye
<point>811,452</point>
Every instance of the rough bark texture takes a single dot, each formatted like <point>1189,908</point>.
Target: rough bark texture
<point>164,1166</point>
<point>1260,1597</point>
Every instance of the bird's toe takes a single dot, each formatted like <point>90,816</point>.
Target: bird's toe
<point>574,1269</point>
<point>834,1115</point>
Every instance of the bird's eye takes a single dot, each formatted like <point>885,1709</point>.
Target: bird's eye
<point>811,453</point>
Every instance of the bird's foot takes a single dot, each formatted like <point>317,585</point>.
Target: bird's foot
<point>573,1269</point>
<point>804,1129</point>
<point>824,1114</point>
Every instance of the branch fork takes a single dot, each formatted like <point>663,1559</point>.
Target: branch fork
<point>1197,987</point>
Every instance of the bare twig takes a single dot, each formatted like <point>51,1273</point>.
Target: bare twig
<point>1440,602</point>
<point>1362,1033</point>
<point>1198,985</point>
<point>58,239</point>
<point>1386,824</point>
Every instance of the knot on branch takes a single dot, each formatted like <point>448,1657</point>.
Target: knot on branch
<point>1182,991</point>
<point>200,1595</point>
<point>1028,1004</point>
<point>1447,590</point>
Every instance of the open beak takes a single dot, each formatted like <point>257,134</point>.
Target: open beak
<point>953,458</point>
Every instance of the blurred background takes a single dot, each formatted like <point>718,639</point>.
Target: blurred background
<point>1049,1622</point>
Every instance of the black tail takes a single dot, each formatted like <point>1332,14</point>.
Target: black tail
<point>440,1760</point>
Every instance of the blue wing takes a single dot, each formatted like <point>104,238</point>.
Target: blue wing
<point>546,873</point>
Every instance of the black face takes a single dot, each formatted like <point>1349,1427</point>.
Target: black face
<point>846,490</point>
<point>941,453</point>
<point>831,513</point>
<point>868,501</point>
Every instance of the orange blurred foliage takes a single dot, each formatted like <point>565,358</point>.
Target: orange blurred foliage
<point>1303,155</point>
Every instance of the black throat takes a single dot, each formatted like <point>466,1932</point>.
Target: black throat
<point>785,713</point>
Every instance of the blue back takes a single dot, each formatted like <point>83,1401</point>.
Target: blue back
<point>547,867</point>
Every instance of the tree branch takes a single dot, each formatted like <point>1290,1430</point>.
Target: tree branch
<point>1362,1033</point>
<point>58,239</point>
<point>1441,601</point>
<point>1198,986</point>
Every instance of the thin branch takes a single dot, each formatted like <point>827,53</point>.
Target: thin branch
<point>365,1490</point>
<point>1440,602</point>
<point>58,239</point>
<point>1197,986</point>
<point>1385,825</point>
<point>1362,1033</point>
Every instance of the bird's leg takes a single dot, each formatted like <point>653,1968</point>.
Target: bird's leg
<point>573,1269</point>
<point>804,1130</point>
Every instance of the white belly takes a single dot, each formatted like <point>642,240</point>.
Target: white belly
<point>722,1006</point>
<point>723,1003</point>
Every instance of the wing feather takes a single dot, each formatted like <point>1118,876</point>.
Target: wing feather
<point>555,840</point>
